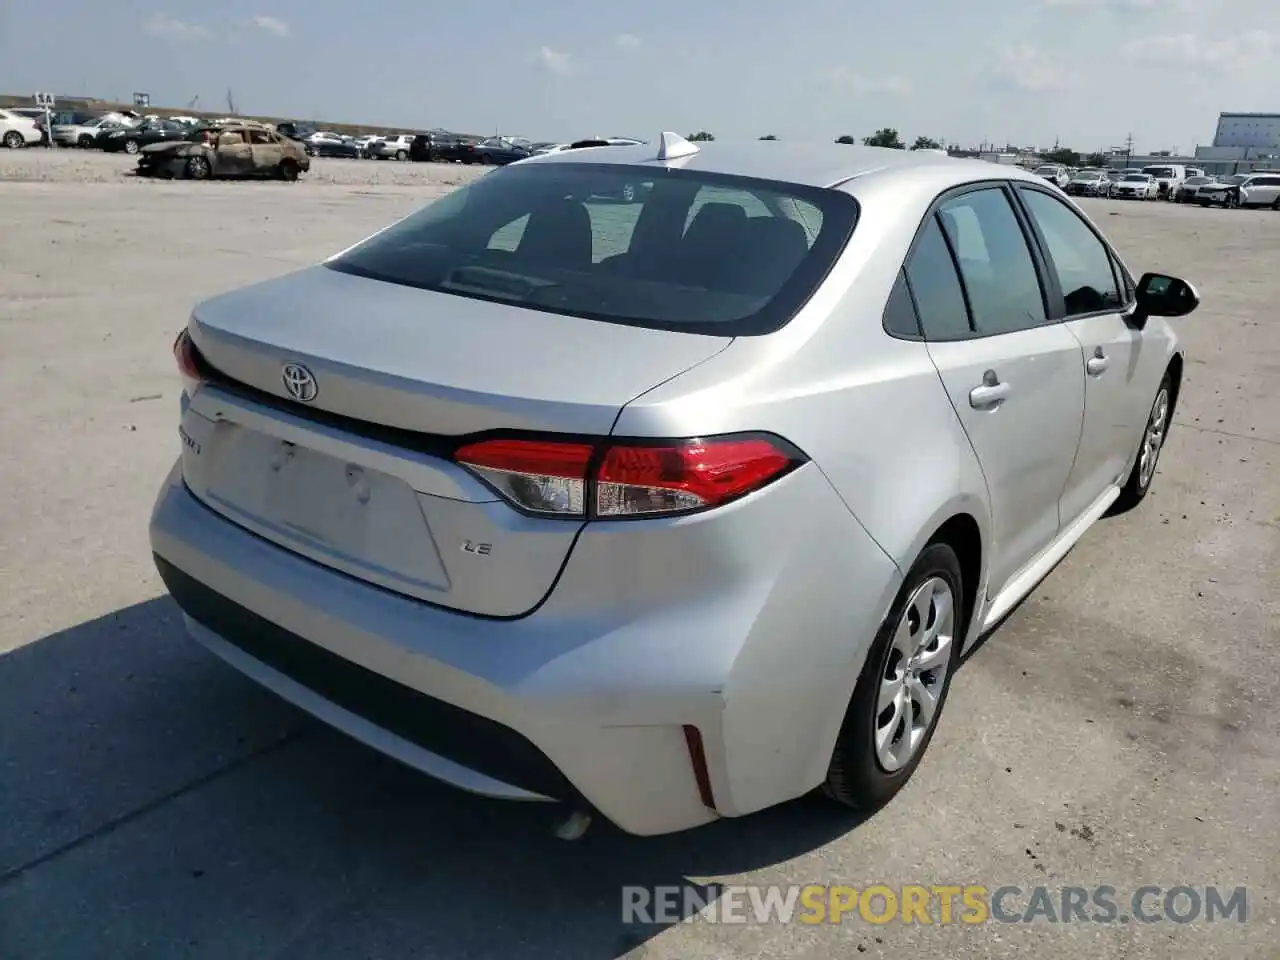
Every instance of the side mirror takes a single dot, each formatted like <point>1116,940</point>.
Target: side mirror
<point>1159,295</point>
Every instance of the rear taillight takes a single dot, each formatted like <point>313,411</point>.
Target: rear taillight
<point>615,480</point>
<point>189,361</point>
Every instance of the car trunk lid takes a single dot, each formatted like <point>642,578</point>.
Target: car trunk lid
<point>358,476</point>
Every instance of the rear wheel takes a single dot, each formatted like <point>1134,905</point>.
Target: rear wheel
<point>903,686</point>
<point>131,146</point>
<point>485,159</point>
<point>198,168</point>
<point>1153,437</point>
<point>13,140</point>
<point>402,156</point>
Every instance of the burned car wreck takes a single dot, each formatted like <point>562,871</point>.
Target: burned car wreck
<point>227,150</point>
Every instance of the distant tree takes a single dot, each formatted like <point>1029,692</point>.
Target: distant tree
<point>769,137</point>
<point>700,137</point>
<point>847,138</point>
<point>1068,158</point>
<point>1096,160</point>
<point>926,143</point>
<point>885,137</point>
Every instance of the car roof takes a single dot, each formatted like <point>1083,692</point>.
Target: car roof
<point>812,164</point>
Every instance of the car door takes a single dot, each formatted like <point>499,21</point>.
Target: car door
<point>1091,293</point>
<point>265,151</point>
<point>232,154</point>
<point>1012,374</point>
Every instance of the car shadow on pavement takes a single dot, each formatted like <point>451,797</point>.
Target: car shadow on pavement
<point>158,804</point>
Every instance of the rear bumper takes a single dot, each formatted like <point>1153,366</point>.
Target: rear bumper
<point>586,700</point>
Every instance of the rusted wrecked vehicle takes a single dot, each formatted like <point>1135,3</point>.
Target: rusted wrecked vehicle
<point>227,150</point>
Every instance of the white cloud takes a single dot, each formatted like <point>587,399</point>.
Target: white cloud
<point>163,25</point>
<point>1025,69</point>
<point>627,40</point>
<point>553,61</point>
<point>863,85</point>
<point>1242,49</point>
<point>272,25</point>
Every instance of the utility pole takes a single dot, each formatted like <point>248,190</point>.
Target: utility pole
<point>1128,150</point>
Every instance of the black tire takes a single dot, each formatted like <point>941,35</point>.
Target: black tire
<point>485,160</point>
<point>84,143</point>
<point>14,140</point>
<point>855,776</point>
<point>131,147</point>
<point>1138,485</point>
<point>402,156</point>
<point>288,170</point>
<point>1276,204</point>
<point>198,168</point>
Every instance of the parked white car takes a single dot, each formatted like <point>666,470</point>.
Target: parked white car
<point>1261,190</point>
<point>1168,177</point>
<point>1135,186</point>
<point>1055,174</point>
<point>17,131</point>
<point>86,134</point>
<point>391,148</point>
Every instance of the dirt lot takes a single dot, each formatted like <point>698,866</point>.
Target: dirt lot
<point>1119,729</point>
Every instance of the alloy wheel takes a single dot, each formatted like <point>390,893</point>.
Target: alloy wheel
<point>915,674</point>
<point>1153,438</point>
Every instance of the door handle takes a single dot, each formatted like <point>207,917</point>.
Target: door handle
<point>1097,364</point>
<point>991,394</point>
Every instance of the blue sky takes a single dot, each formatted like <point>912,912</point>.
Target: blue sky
<point>1087,72</point>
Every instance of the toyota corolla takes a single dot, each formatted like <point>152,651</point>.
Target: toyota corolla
<point>672,509</point>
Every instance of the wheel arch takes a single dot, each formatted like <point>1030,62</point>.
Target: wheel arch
<point>962,533</point>
<point>1175,381</point>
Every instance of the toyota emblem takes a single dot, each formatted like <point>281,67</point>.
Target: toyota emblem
<point>299,382</point>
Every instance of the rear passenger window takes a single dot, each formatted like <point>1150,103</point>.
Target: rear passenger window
<point>995,263</point>
<point>939,298</point>
<point>1082,261</point>
<point>900,313</point>
<point>751,205</point>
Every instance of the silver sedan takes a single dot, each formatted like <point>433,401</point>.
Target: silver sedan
<point>668,509</point>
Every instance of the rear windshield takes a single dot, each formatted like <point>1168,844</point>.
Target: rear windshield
<point>662,248</point>
<point>1159,171</point>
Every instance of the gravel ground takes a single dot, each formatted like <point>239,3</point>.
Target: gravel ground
<point>1116,730</point>
<point>94,166</point>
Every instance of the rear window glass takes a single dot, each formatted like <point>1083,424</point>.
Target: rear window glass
<point>663,248</point>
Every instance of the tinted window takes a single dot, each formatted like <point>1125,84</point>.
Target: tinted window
<point>899,312</point>
<point>1082,261</point>
<point>939,298</point>
<point>595,241</point>
<point>995,263</point>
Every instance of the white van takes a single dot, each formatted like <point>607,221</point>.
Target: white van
<point>1168,177</point>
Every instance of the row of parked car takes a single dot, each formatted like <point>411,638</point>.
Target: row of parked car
<point>1173,182</point>
<point>436,146</point>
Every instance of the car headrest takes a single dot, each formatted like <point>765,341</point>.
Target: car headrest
<point>558,233</point>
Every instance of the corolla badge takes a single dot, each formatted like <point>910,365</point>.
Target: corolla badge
<point>299,382</point>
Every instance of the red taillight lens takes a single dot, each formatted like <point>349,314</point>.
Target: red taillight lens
<point>631,479</point>
<point>188,357</point>
<point>689,475</point>
<point>538,476</point>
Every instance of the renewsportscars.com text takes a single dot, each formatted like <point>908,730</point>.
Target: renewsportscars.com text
<point>933,904</point>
